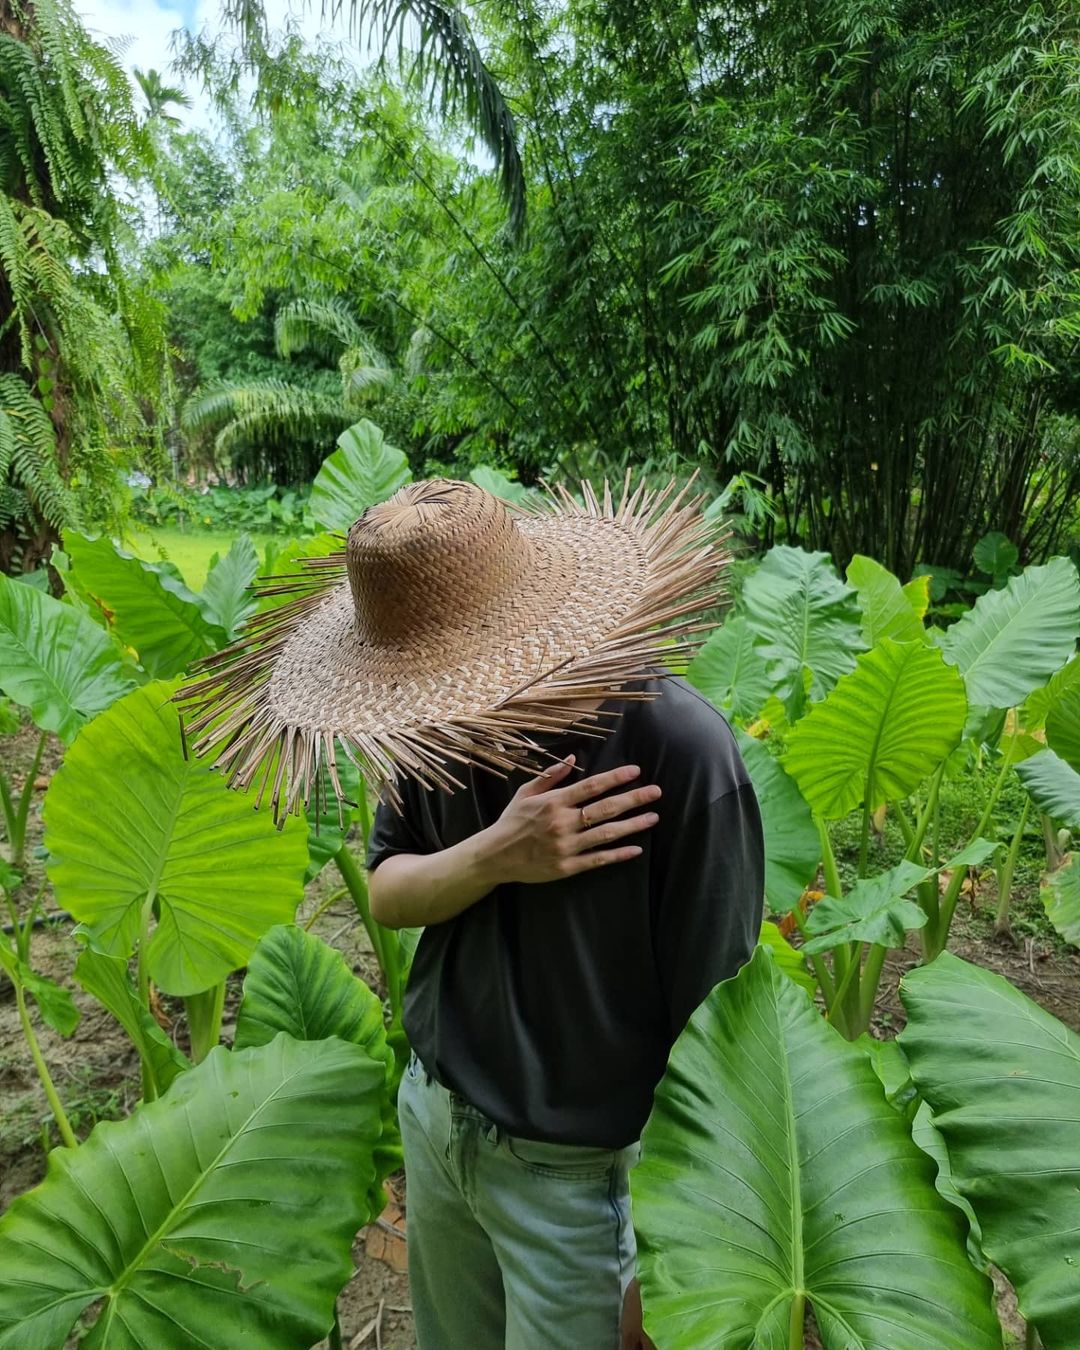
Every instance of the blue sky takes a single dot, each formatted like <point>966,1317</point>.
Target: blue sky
<point>147,25</point>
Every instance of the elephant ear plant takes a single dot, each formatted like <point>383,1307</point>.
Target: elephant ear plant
<point>877,731</point>
<point>160,861</point>
<point>777,1173</point>
<point>225,1210</point>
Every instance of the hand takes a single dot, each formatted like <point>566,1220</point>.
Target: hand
<point>631,1333</point>
<point>547,831</point>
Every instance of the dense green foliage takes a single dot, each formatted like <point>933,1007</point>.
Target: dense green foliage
<point>82,353</point>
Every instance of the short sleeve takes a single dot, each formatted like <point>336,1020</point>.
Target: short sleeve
<point>394,831</point>
<point>712,901</point>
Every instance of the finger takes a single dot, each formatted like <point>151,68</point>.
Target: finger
<point>551,777</point>
<point>601,857</point>
<point>599,783</point>
<point>615,829</point>
<point>597,812</point>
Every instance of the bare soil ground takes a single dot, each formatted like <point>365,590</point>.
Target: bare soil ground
<point>96,1069</point>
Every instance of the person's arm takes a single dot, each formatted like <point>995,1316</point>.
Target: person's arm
<point>711,901</point>
<point>547,831</point>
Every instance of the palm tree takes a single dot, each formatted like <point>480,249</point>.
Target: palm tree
<point>244,419</point>
<point>159,96</point>
<point>446,61</point>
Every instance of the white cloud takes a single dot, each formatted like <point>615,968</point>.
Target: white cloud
<point>145,28</point>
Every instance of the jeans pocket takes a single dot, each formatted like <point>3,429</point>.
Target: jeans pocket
<point>568,1162</point>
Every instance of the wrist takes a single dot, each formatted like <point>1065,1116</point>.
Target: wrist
<point>486,861</point>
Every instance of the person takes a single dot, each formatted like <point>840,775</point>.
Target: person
<point>572,921</point>
<point>569,823</point>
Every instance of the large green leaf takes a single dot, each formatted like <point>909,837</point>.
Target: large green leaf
<point>287,562</point>
<point>773,1167</point>
<point>54,661</point>
<point>1040,701</point>
<point>499,485</point>
<point>1013,640</point>
<point>891,1066</point>
<point>1002,1078</point>
<point>148,605</point>
<point>995,554</point>
<point>54,1002</point>
<point>790,960</point>
<point>135,830</point>
<point>106,979</point>
<point>1061,900</point>
<point>874,910</point>
<point>297,984</point>
<point>221,1215</point>
<point>803,618</point>
<point>226,599</point>
<point>882,730</point>
<point>792,846</point>
<point>730,671</point>
<point>1063,728</point>
<point>887,609</point>
<point>362,471</point>
<point>1053,786</point>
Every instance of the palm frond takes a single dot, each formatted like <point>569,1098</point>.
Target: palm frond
<point>447,63</point>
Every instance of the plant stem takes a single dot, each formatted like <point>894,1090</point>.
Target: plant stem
<point>18,840</point>
<point>356,883</point>
<point>845,983</point>
<point>9,814</point>
<point>906,828</point>
<point>817,963</point>
<point>828,861</point>
<point>59,1114</point>
<point>871,978</point>
<point>204,1020</point>
<point>1054,857</point>
<point>928,813</point>
<point>331,899</point>
<point>143,976</point>
<point>796,1326</point>
<point>864,840</point>
<point>1005,873</point>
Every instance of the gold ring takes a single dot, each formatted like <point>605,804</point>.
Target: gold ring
<point>584,820</point>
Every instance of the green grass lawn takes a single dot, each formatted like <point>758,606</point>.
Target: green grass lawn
<point>191,551</point>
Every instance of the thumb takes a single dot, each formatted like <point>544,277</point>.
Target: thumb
<point>551,777</point>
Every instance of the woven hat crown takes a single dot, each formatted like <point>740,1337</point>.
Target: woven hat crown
<point>432,560</point>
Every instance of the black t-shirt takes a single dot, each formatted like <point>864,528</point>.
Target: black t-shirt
<point>552,1007</point>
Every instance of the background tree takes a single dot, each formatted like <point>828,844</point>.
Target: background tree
<point>81,346</point>
<point>832,248</point>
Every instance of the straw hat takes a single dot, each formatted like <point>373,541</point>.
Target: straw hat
<point>450,627</point>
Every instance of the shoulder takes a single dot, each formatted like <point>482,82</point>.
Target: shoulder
<point>690,738</point>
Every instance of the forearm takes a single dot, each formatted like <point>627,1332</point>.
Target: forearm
<point>412,890</point>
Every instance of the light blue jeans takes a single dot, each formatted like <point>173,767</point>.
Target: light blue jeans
<point>513,1244</point>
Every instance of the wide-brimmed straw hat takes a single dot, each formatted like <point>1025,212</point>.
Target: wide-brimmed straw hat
<point>450,629</point>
